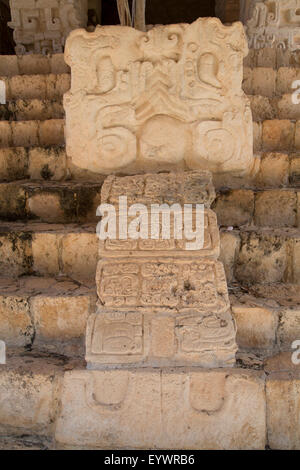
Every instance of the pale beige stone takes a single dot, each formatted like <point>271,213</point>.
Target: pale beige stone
<point>16,326</point>
<point>283,416</point>
<point>46,206</point>
<point>165,409</point>
<point>287,109</point>
<point>230,245</point>
<point>45,252</point>
<point>285,78</point>
<point>256,327</point>
<point>146,101</point>
<point>42,27</point>
<point>57,85</point>
<point>278,134</point>
<point>60,318</point>
<point>28,397</point>
<point>262,108</point>
<point>297,135</point>
<point>80,255</point>
<point>289,328</point>
<point>276,208</point>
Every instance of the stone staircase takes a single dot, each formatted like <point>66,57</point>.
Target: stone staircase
<point>48,250</point>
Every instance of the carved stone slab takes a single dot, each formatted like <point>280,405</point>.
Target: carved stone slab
<point>192,187</point>
<point>131,338</point>
<point>161,248</point>
<point>41,26</point>
<point>274,23</point>
<point>163,409</point>
<point>167,99</point>
<point>187,285</point>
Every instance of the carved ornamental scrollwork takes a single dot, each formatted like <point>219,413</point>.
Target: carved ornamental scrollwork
<point>42,27</point>
<point>274,23</point>
<point>170,98</point>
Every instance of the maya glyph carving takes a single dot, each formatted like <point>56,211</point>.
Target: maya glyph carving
<point>158,303</point>
<point>170,98</point>
<point>274,23</point>
<point>42,27</point>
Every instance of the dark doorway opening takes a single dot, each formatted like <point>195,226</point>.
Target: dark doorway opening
<point>163,11</point>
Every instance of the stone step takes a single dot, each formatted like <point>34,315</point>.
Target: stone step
<point>77,202</point>
<point>272,57</point>
<point>276,135</point>
<point>266,81</point>
<point>52,202</point>
<point>264,108</point>
<point>32,64</point>
<point>250,255</point>
<point>31,133</point>
<point>276,169</point>
<point>53,402</point>
<point>44,87</point>
<point>31,110</point>
<point>45,314</point>
<point>48,250</point>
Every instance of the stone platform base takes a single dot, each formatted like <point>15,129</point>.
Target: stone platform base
<point>162,408</point>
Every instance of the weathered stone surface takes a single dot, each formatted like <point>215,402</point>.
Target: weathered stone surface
<point>278,134</point>
<point>230,245</point>
<point>170,98</point>
<point>16,326</point>
<point>274,170</point>
<point>283,416</point>
<point>256,327</point>
<point>235,208</point>
<point>273,25</point>
<point>276,208</point>
<point>42,27</point>
<point>193,187</point>
<point>289,328</point>
<point>80,255</point>
<point>162,409</point>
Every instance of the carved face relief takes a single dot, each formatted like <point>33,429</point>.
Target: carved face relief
<point>173,88</point>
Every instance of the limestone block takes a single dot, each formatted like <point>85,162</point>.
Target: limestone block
<point>58,64</point>
<point>274,25</point>
<point>59,318</point>
<point>16,327</point>
<point>276,208</point>
<point>12,201</point>
<point>296,260</point>
<point>283,405</point>
<point>28,397</point>
<point>28,87</point>
<point>262,258</point>
<point>33,64</point>
<point>25,133</point>
<point>160,283</point>
<point>9,65</point>
<point>264,81</point>
<point>235,207</point>
<point>262,108</point>
<point>79,255</point>
<point>257,136</point>
<point>289,328</point>
<point>256,327</point>
<point>285,78</point>
<point>45,252</point>
<point>5,134</point>
<point>167,99</point>
<point>42,27</point>
<point>47,164</point>
<point>295,171</point>
<point>13,163</point>
<point>148,409</point>
<point>274,170</point>
<point>286,109</point>
<point>57,85</point>
<point>278,134</point>
<point>46,207</point>
<point>230,245</point>
<point>51,132</point>
<point>135,339</point>
<point>297,135</point>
